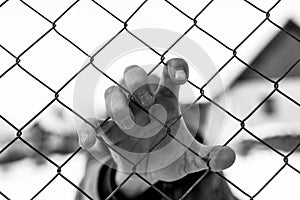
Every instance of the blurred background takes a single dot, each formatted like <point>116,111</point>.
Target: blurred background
<point>50,55</point>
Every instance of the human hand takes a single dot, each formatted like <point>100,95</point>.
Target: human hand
<point>136,128</point>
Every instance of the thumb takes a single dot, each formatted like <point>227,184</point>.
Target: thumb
<point>216,158</point>
<point>220,158</point>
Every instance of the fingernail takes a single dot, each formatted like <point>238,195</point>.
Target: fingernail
<point>84,142</point>
<point>180,75</point>
<point>146,99</point>
<point>127,123</point>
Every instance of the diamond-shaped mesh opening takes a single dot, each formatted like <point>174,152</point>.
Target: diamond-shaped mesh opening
<point>78,94</point>
<point>276,122</point>
<point>215,48</point>
<point>221,128</point>
<point>266,31</point>
<point>53,67</point>
<point>84,25</point>
<point>20,26</point>
<point>169,19</point>
<point>283,60</point>
<point>245,96</point>
<point>218,21</point>
<point>18,98</point>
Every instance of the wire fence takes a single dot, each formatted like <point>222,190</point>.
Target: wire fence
<point>193,19</point>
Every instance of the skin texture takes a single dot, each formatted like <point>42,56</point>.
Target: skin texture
<point>131,127</point>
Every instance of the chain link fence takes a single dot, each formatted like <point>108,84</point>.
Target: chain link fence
<point>161,56</point>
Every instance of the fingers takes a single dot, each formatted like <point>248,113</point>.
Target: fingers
<point>175,73</point>
<point>87,134</point>
<point>218,158</point>
<point>88,140</point>
<point>221,157</point>
<point>136,80</point>
<point>118,109</point>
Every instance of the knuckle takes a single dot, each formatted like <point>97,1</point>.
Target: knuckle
<point>135,77</point>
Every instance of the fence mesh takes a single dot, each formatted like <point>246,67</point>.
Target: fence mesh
<point>193,19</point>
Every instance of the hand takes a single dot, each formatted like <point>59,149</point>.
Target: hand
<point>133,132</point>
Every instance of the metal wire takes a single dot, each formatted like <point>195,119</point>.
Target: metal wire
<point>193,19</point>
